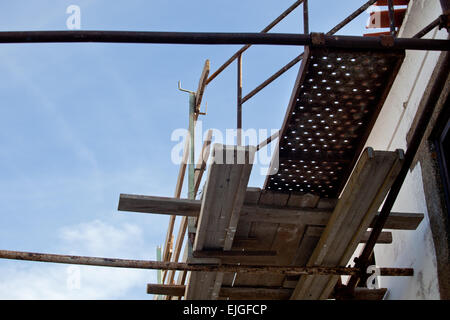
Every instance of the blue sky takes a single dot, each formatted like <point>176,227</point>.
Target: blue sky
<point>82,123</point>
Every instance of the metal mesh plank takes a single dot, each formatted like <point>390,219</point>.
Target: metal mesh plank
<point>336,100</point>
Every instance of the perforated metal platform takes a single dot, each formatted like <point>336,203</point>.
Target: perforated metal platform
<point>336,100</point>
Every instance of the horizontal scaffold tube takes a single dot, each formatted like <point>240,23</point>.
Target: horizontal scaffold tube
<point>164,265</point>
<point>210,38</point>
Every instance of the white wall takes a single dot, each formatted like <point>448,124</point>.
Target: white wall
<point>410,248</point>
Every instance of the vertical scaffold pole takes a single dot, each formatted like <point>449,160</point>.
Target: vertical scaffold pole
<point>191,173</point>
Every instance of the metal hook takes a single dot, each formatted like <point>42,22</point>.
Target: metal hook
<point>184,90</point>
<point>206,109</point>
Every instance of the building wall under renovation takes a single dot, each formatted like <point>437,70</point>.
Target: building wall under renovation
<point>409,248</point>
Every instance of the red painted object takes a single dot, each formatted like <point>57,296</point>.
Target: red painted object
<point>380,19</point>
<point>377,34</point>
<point>396,3</point>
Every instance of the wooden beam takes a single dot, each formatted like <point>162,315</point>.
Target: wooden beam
<point>384,238</point>
<point>401,221</point>
<point>270,214</point>
<point>223,195</point>
<point>368,185</point>
<point>233,253</point>
<point>260,293</point>
<point>255,293</point>
<point>233,293</point>
<point>181,173</point>
<point>360,294</point>
<point>320,217</point>
<point>202,160</point>
<point>201,86</point>
<point>200,169</point>
<point>158,205</point>
<point>220,210</point>
<point>166,289</point>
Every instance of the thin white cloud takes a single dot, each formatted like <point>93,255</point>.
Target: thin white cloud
<point>98,237</point>
<point>28,280</point>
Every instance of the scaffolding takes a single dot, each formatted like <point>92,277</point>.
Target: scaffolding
<point>209,258</point>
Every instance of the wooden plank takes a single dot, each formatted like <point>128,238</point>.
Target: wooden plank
<point>201,163</point>
<point>234,253</point>
<point>252,293</point>
<point>303,200</point>
<point>361,294</point>
<point>327,203</point>
<point>308,244</point>
<point>352,216</point>
<point>320,217</point>
<point>159,205</point>
<point>287,241</point>
<point>232,225</point>
<point>166,289</point>
<point>256,213</point>
<point>290,236</point>
<point>255,293</point>
<point>384,238</point>
<point>276,199</point>
<point>290,282</point>
<point>239,201</point>
<point>203,159</point>
<point>213,199</point>
<point>312,236</point>
<point>271,214</point>
<point>267,236</point>
<point>223,196</point>
<point>252,196</point>
<point>181,279</point>
<point>179,186</point>
<point>202,85</point>
<point>222,201</point>
<point>342,257</point>
<point>401,221</point>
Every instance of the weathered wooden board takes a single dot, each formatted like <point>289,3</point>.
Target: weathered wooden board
<point>356,208</point>
<point>255,293</point>
<point>253,213</point>
<point>221,205</point>
<point>166,289</point>
<point>159,205</point>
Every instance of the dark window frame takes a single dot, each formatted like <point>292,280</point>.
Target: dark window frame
<point>441,138</point>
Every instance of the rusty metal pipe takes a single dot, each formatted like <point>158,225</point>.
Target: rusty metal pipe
<point>165,265</point>
<point>244,48</point>
<point>239,100</point>
<point>431,26</point>
<point>273,77</point>
<point>305,17</point>
<point>391,16</point>
<point>297,59</point>
<point>211,38</point>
